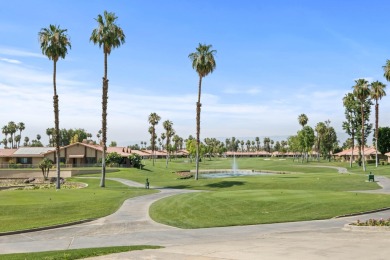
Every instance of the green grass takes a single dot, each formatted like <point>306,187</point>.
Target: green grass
<point>309,192</point>
<point>74,253</point>
<point>248,207</point>
<point>26,209</point>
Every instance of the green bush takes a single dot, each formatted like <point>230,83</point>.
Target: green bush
<point>135,160</point>
<point>113,159</point>
<point>370,161</point>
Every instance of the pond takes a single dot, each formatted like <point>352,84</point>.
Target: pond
<point>231,173</point>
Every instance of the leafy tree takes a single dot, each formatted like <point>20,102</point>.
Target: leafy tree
<point>384,139</point>
<point>362,92</point>
<point>204,63</point>
<point>45,165</point>
<point>135,160</point>
<point>153,121</point>
<point>377,91</point>
<point>113,159</point>
<point>54,44</point>
<point>108,35</point>
<point>350,126</point>
<point>294,145</point>
<point>329,140</point>
<point>113,144</point>
<point>320,129</point>
<point>191,148</point>
<point>306,139</point>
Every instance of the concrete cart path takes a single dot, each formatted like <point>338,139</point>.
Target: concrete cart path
<point>131,225</point>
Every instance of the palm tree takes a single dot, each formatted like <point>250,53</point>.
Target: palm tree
<point>169,133</point>
<point>153,121</point>
<point>5,131</point>
<point>257,143</point>
<point>203,63</point>
<point>54,44</point>
<point>302,119</point>
<point>26,140</point>
<point>386,70</point>
<point>109,36</point>
<point>377,92</point>
<point>21,128</point>
<point>362,92</point>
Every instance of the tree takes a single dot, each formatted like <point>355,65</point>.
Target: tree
<point>12,128</point>
<point>257,143</point>
<point>351,114</point>
<point>383,140</point>
<point>153,121</point>
<point>113,144</point>
<point>54,44</point>
<point>45,165</point>
<point>108,36</point>
<point>328,140</point>
<point>320,129</point>
<point>5,131</point>
<point>113,159</point>
<point>203,63</point>
<point>169,133</point>
<point>362,92</point>
<point>21,128</point>
<point>377,91</point>
<point>386,70</point>
<point>306,139</point>
<point>26,140</point>
<point>302,119</point>
<point>50,132</point>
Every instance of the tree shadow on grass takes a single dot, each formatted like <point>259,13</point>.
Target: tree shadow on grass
<point>177,187</point>
<point>225,184</point>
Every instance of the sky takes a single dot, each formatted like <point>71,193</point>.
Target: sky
<point>275,60</point>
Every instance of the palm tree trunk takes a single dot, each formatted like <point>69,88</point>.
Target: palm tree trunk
<point>376,131</point>
<point>56,125</point>
<point>362,147</point>
<point>198,105</point>
<point>104,122</point>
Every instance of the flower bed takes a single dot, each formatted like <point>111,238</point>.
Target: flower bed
<point>373,222</point>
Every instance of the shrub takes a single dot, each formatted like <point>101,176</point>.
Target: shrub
<point>113,159</point>
<point>370,161</point>
<point>135,160</point>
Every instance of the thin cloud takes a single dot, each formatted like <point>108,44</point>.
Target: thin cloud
<point>18,53</point>
<point>10,61</point>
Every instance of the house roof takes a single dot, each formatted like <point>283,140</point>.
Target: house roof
<point>367,151</point>
<point>7,152</point>
<point>32,151</point>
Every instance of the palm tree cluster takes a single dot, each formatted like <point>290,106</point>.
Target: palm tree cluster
<point>15,132</point>
<point>357,111</point>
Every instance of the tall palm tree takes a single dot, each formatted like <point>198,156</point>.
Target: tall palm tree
<point>302,119</point>
<point>377,92</point>
<point>109,36</point>
<point>362,92</point>
<point>153,121</point>
<point>203,63</point>
<point>169,133</point>
<point>386,70</point>
<point>21,128</point>
<point>5,131</point>
<point>54,44</point>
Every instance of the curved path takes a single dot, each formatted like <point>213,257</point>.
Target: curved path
<point>131,225</point>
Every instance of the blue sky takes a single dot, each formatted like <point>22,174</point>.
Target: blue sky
<point>275,60</point>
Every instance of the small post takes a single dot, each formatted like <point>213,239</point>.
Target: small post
<point>147,183</point>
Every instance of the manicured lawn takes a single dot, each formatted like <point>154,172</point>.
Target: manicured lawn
<point>308,192</point>
<point>248,207</point>
<point>25,209</point>
<point>75,253</point>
